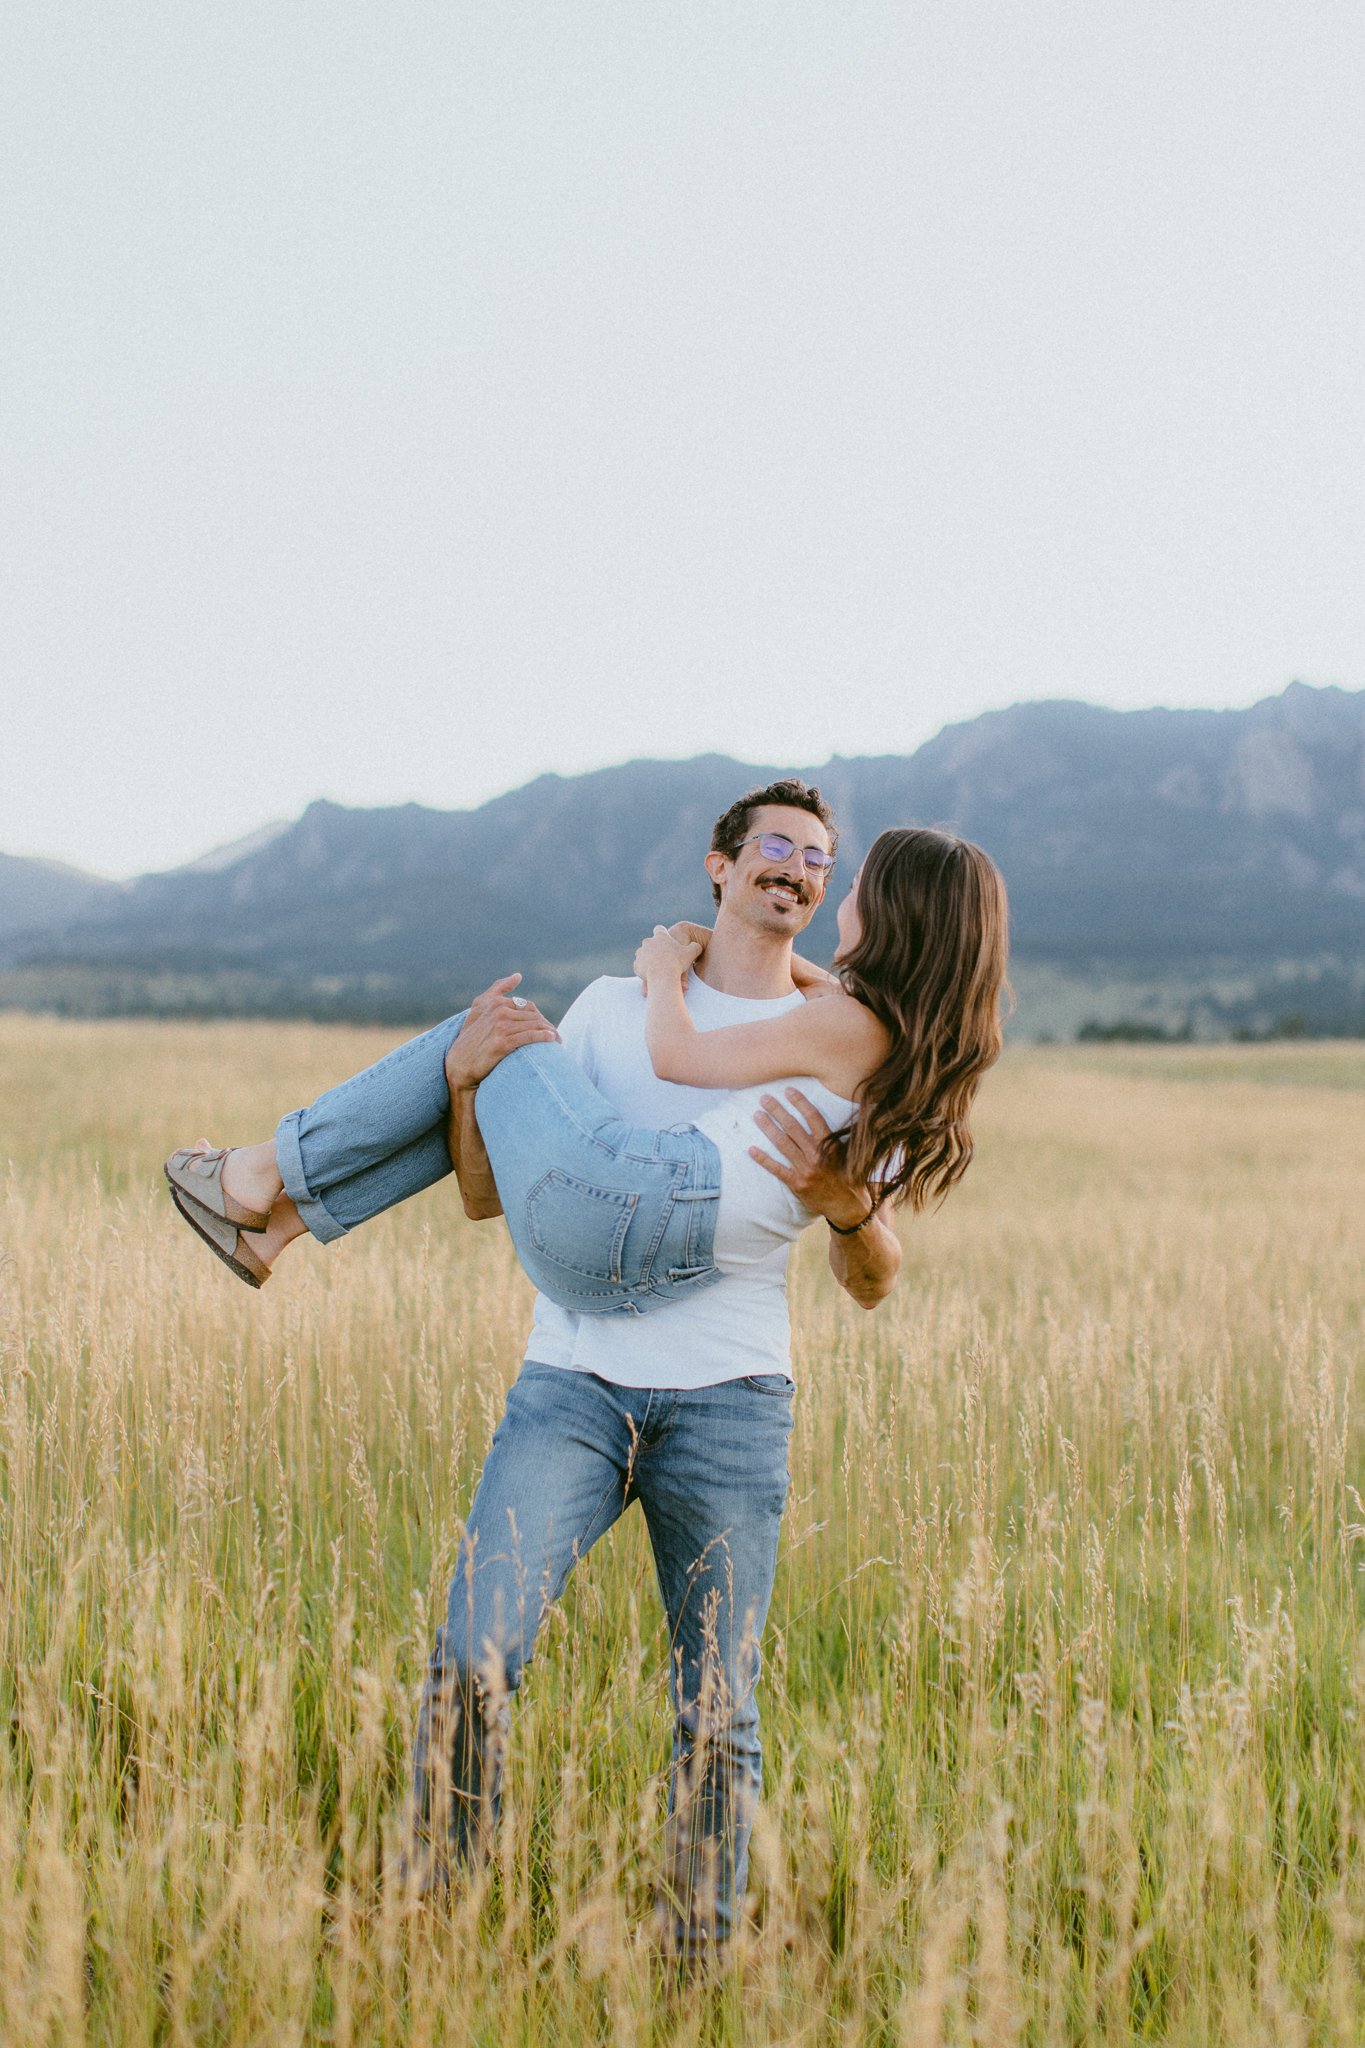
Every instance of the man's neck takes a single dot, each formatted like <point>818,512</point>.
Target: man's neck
<point>741,962</point>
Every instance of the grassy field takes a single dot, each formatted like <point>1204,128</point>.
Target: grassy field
<point>1064,1686</point>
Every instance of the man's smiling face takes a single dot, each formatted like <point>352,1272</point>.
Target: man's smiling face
<point>776,896</point>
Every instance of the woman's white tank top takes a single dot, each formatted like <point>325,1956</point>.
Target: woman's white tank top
<point>757,1212</point>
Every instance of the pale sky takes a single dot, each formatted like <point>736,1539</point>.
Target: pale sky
<point>400,401</point>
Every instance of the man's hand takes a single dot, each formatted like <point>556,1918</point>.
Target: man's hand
<point>498,1022</point>
<point>866,1263</point>
<point>800,1137</point>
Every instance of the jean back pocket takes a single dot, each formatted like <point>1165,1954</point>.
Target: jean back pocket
<point>579,1226</point>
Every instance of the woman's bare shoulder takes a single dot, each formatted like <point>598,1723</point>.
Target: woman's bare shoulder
<point>855,1041</point>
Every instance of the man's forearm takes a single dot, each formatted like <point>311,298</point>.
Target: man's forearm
<point>478,1189</point>
<point>867,1263</point>
<point>496,1023</point>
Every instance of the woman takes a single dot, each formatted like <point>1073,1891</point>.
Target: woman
<point>609,1217</point>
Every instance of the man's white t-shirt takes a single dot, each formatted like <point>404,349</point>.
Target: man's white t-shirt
<point>735,1327</point>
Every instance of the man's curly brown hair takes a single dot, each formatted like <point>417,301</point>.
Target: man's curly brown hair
<point>731,828</point>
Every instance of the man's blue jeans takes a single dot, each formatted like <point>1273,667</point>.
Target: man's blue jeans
<point>709,1468</point>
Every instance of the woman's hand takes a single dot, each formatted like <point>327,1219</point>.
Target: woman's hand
<point>685,932</point>
<point>811,980</point>
<point>662,956</point>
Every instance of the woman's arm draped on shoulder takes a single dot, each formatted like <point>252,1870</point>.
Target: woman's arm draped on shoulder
<point>738,1055</point>
<point>812,980</point>
<point>838,1041</point>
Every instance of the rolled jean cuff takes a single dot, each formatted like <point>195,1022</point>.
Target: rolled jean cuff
<point>289,1158</point>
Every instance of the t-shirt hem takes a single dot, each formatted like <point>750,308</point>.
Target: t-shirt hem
<point>755,1369</point>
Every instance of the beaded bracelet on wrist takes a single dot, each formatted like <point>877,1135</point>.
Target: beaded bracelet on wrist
<point>852,1229</point>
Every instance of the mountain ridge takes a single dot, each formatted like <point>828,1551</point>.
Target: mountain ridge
<point>1139,843</point>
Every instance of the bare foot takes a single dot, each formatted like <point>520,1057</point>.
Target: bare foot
<point>252,1177</point>
<point>251,1174</point>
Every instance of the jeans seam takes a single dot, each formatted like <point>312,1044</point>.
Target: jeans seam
<point>667,1211</point>
<point>579,1555</point>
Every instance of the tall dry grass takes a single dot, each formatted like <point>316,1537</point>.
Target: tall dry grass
<point>1064,1682</point>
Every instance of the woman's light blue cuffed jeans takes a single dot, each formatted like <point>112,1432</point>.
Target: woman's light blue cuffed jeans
<point>607,1217</point>
<point>708,1465</point>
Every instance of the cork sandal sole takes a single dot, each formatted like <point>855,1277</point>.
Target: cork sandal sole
<point>222,1238</point>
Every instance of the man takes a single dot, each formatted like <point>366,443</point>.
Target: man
<point>687,1410</point>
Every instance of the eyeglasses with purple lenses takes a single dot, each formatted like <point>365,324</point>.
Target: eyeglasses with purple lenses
<point>776,846</point>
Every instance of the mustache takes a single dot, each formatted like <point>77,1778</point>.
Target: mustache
<point>803,893</point>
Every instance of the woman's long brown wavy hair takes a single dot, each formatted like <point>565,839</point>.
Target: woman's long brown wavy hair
<point>930,963</point>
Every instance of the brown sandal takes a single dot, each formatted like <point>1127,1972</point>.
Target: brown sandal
<point>199,1177</point>
<point>221,1237</point>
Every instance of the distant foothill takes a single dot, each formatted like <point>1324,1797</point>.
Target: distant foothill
<point>1172,874</point>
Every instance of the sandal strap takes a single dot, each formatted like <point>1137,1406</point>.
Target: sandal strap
<point>199,1176</point>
